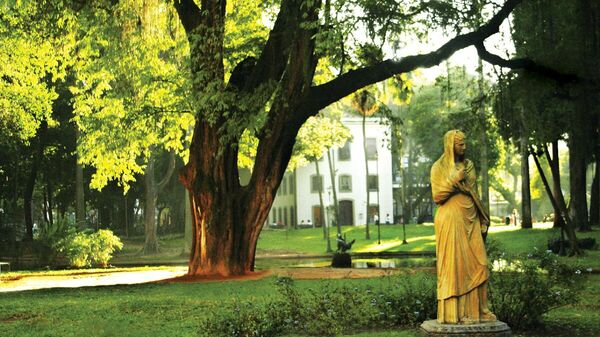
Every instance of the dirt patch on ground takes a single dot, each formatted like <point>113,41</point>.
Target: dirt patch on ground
<point>177,275</point>
<point>216,278</point>
<point>295,273</point>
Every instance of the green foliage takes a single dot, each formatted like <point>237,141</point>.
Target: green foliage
<point>28,75</point>
<point>103,244</point>
<point>83,249</point>
<point>130,78</point>
<point>77,248</point>
<point>51,235</point>
<point>318,134</point>
<point>327,310</point>
<point>525,287</point>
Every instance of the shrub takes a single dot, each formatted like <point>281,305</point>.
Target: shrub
<point>103,244</point>
<point>525,287</point>
<point>82,249</point>
<point>584,243</point>
<point>50,238</point>
<point>244,319</point>
<point>327,311</point>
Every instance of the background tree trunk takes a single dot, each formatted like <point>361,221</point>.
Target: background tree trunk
<point>79,191</point>
<point>333,175</point>
<point>30,185</point>
<point>364,132</point>
<point>483,159</point>
<point>322,213</point>
<point>554,162</point>
<point>525,182</point>
<point>150,228</point>
<point>595,193</point>
<point>558,201</point>
<point>577,176</point>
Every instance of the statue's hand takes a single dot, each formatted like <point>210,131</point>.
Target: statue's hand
<point>485,225</point>
<point>458,176</point>
<point>463,188</point>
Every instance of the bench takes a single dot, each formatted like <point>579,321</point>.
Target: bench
<point>4,264</point>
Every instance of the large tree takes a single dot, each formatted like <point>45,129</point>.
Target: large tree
<point>275,87</point>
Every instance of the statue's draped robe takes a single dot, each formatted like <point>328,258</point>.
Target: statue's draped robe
<point>462,272</point>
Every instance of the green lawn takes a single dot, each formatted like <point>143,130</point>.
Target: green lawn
<point>174,309</point>
<point>141,310</point>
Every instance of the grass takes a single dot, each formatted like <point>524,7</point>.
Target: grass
<point>141,310</point>
<point>174,309</point>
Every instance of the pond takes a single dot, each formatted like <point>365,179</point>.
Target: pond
<point>357,262</point>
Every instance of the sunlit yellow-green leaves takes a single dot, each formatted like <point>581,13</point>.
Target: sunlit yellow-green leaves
<point>131,90</point>
<point>317,135</point>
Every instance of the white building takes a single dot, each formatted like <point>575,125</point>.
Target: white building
<point>297,199</point>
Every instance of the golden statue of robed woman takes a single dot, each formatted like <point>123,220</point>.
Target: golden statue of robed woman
<point>460,221</point>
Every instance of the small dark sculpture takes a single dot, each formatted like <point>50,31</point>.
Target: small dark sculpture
<point>342,245</point>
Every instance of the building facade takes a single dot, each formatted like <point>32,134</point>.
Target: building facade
<point>297,201</point>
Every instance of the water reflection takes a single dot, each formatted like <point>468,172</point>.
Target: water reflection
<point>420,262</point>
<point>361,264</point>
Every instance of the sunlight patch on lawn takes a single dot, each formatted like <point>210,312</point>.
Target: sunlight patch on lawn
<point>397,243</point>
<point>509,228</point>
<point>108,277</point>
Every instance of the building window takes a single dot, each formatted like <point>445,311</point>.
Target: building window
<point>280,216</point>
<point>345,183</point>
<point>283,186</point>
<point>371,149</point>
<point>316,183</point>
<point>344,152</point>
<point>292,186</point>
<point>285,218</point>
<point>373,182</point>
<point>274,214</point>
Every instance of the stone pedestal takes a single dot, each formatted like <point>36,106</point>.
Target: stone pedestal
<point>488,329</point>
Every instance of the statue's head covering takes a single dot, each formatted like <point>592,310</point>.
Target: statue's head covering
<point>447,159</point>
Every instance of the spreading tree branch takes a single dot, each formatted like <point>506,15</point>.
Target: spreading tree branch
<point>189,14</point>
<point>161,185</point>
<point>274,56</point>
<point>332,91</point>
<point>526,64</point>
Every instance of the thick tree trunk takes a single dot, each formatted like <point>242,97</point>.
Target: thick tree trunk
<point>525,191</point>
<point>225,220</point>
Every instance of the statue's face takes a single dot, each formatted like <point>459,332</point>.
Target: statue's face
<point>460,146</point>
